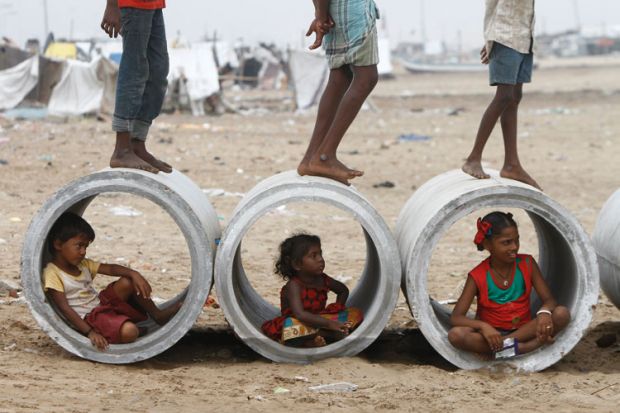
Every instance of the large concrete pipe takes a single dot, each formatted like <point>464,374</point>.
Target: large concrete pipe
<point>566,257</point>
<point>606,240</point>
<point>182,200</point>
<point>376,292</point>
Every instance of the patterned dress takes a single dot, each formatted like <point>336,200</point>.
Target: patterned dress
<point>314,300</point>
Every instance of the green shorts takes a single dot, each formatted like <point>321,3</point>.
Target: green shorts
<point>367,54</point>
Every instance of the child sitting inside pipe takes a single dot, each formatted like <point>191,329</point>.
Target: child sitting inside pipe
<point>306,320</point>
<point>109,317</point>
<point>502,284</point>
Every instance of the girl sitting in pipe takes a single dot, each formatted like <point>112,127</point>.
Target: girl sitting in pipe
<point>109,317</point>
<point>502,284</point>
<point>306,320</point>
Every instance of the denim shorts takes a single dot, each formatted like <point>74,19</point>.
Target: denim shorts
<point>509,67</point>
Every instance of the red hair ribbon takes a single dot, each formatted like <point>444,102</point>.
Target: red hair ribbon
<point>484,228</point>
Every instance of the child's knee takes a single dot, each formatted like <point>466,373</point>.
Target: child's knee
<point>456,336</point>
<point>124,288</point>
<point>561,316</point>
<point>129,332</point>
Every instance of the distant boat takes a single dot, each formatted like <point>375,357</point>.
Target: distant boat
<point>419,67</point>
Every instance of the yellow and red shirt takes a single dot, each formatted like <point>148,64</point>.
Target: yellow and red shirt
<point>142,4</point>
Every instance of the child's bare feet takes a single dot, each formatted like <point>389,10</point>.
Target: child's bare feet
<point>474,168</point>
<point>128,159</point>
<point>518,174</point>
<point>163,316</point>
<point>329,167</point>
<point>139,149</point>
<point>316,341</point>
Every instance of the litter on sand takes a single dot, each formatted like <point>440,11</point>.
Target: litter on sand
<point>334,387</point>
<point>125,211</point>
<point>413,137</point>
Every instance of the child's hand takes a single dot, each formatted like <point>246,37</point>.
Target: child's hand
<point>142,286</point>
<point>98,340</point>
<point>493,337</point>
<point>544,328</point>
<point>111,23</point>
<point>320,28</point>
<point>484,56</point>
<point>338,326</point>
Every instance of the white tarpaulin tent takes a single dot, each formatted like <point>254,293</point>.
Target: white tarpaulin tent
<point>196,66</point>
<point>309,74</point>
<point>385,61</point>
<point>82,88</point>
<point>17,82</point>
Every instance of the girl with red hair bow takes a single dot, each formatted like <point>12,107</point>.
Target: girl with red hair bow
<point>502,284</point>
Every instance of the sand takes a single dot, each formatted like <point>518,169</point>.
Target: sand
<point>569,141</point>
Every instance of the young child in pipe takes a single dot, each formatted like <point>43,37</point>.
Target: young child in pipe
<point>109,317</point>
<point>502,284</point>
<point>306,320</point>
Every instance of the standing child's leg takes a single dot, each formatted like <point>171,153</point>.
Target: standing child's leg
<point>504,96</point>
<point>132,76</point>
<point>337,85</point>
<point>512,168</point>
<point>154,91</point>
<point>324,161</point>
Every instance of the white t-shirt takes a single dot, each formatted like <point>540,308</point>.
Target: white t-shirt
<point>79,290</point>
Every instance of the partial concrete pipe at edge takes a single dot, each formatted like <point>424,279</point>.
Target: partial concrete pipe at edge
<point>606,238</point>
<point>566,258</point>
<point>183,200</point>
<point>375,294</point>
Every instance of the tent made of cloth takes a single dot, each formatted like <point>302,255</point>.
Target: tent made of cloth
<point>62,50</point>
<point>11,56</point>
<point>50,73</point>
<point>17,82</point>
<point>309,73</point>
<point>196,66</point>
<point>85,88</point>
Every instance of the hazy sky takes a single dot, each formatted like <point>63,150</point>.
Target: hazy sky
<point>285,21</point>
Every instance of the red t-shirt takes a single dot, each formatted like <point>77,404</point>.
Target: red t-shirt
<point>142,4</point>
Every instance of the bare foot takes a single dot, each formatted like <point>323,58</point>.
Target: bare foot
<point>163,316</point>
<point>485,356</point>
<point>474,169</point>
<point>329,168</point>
<point>317,341</point>
<point>140,149</point>
<point>128,159</point>
<point>518,174</point>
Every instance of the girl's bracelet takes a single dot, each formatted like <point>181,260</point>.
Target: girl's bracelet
<point>88,332</point>
<point>543,311</point>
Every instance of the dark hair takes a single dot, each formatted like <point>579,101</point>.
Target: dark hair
<point>292,250</point>
<point>499,221</point>
<point>67,226</point>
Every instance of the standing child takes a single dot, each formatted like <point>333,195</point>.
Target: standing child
<point>142,79</point>
<point>306,320</point>
<point>351,46</point>
<point>111,316</point>
<point>502,284</point>
<point>509,36</point>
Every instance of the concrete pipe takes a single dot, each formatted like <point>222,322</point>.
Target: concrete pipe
<point>606,240</point>
<point>182,200</point>
<point>376,292</point>
<point>566,258</point>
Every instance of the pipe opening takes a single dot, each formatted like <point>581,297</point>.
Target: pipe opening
<point>133,232</point>
<point>257,288</point>
<point>455,255</point>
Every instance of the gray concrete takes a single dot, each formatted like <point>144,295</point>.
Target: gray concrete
<point>566,257</point>
<point>376,292</point>
<point>192,212</point>
<point>606,240</point>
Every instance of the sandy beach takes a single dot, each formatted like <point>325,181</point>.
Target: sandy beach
<point>569,141</point>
